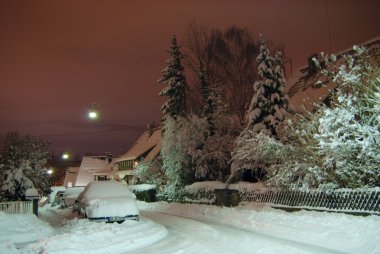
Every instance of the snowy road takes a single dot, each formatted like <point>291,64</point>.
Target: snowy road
<point>192,236</point>
<point>186,228</point>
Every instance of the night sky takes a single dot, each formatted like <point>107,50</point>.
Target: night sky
<point>59,57</point>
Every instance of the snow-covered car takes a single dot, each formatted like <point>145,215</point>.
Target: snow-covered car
<point>108,201</point>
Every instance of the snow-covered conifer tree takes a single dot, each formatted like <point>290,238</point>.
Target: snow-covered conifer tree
<point>174,78</point>
<point>209,104</point>
<point>267,110</point>
<point>269,103</point>
<point>281,98</point>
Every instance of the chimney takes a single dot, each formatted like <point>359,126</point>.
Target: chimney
<point>312,68</point>
<point>109,157</point>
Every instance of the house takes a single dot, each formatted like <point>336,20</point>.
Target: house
<point>146,148</point>
<point>310,88</point>
<point>70,176</point>
<point>94,168</point>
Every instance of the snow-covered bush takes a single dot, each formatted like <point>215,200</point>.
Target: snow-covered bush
<point>285,165</point>
<point>256,151</point>
<point>23,161</point>
<point>212,159</point>
<point>337,147</point>
<point>180,137</point>
<point>302,168</point>
<point>349,133</point>
<point>203,192</point>
<point>151,173</point>
<point>189,152</point>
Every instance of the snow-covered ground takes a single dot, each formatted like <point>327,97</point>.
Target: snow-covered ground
<point>186,228</point>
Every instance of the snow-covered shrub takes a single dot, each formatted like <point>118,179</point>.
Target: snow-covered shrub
<point>302,167</point>
<point>349,133</point>
<point>203,192</point>
<point>212,160</point>
<point>180,138</point>
<point>337,147</point>
<point>151,172</point>
<point>189,152</point>
<point>257,151</point>
<point>285,165</point>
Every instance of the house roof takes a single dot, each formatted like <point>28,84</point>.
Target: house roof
<point>149,144</point>
<point>90,166</point>
<point>306,91</point>
<point>154,152</point>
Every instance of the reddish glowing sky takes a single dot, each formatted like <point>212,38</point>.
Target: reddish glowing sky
<point>58,57</point>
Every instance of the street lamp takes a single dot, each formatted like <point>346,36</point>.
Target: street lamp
<point>65,156</point>
<point>93,113</point>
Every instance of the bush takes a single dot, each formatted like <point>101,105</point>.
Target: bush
<point>337,147</point>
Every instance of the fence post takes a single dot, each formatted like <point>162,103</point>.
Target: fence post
<point>227,197</point>
<point>32,194</point>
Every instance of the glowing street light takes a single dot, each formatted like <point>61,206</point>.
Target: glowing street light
<point>93,113</point>
<point>65,156</point>
<point>50,171</point>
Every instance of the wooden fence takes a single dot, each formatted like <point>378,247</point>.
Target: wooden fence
<point>16,207</point>
<point>341,200</point>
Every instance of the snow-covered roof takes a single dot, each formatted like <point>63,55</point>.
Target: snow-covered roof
<point>305,90</point>
<point>149,145</point>
<point>91,165</point>
<point>71,175</point>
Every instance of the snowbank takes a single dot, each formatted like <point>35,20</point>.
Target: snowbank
<point>141,187</point>
<point>83,236</point>
<point>21,228</point>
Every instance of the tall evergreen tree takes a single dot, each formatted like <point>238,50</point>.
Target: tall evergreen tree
<point>173,76</point>
<point>283,100</point>
<point>209,104</point>
<point>269,103</point>
<point>267,109</point>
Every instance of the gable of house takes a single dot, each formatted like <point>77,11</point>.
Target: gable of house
<point>146,148</point>
<point>92,166</point>
<point>71,176</point>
